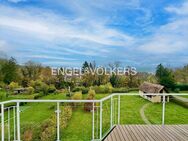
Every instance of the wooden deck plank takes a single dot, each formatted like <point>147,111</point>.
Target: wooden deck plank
<point>122,133</point>
<point>148,133</point>
<point>155,133</point>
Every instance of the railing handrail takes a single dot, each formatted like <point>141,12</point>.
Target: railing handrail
<point>92,101</point>
<point>16,111</point>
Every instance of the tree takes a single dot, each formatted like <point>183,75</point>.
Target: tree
<point>165,76</point>
<point>10,71</point>
<point>85,66</point>
<point>31,70</point>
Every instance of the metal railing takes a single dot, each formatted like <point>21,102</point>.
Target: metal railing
<point>115,114</point>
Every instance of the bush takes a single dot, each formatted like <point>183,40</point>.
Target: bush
<point>182,87</point>
<point>76,96</point>
<point>120,90</point>
<point>91,94</point>
<point>65,116</point>
<point>107,88</point>
<point>13,85</point>
<point>30,90</point>
<point>176,90</point>
<point>37,96</point>
<point>83,89</point>
<point>48,128</point>
<point>30,132</point>
<point>51,88</point>
<point>3,95</point>
<point>88,106</point>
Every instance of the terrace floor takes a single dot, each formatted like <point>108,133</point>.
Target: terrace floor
<point>148,133</point>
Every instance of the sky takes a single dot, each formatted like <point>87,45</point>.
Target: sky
<point>139,33</point>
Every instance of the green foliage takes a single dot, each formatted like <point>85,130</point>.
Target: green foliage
<point>3,95</point>
<point>31,70</point>
<point>114,80</point>
<point>77,96</point>
<point>181,75</point>
<point>30,132</point>
<point>9,71</point>
<point>13,85</point>
<point>103,88</point>
<point>39,95</point>
<point>91,94</point>
<point>165,76</point>
<point>30,90</point>
<point>120,90</point>
<point>40,86</point>
<point>48,128</point>
<point>182,87</point>
<point>51,88</point>
<point>176,90</point>
<point>83,89</point>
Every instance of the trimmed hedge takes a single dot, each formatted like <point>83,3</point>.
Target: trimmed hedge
<point>182,87</point>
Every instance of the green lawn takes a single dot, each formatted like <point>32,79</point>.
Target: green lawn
<point>80,125</point>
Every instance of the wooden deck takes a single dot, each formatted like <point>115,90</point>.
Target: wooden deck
<point>148,133</point>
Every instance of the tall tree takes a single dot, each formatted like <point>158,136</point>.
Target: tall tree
<point>165,76</point>
<point>10,70</point>
<point>31,70</point>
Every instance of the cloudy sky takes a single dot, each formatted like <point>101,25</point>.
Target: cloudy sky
<point>140,33</point>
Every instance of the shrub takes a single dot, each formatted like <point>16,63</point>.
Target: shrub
<point>2,85</point>
<point>107,88</point>
<point>182,87</point>
<point>3,95</point>
<point>91,94</point>
<point>51,88</point>
<point>30,132</point>
<point>176,90</point>
<point>88,106</point>
<point>48,128</point>
<point>83,89</point>
<point>65,116</point>
<point>37,96</point>
<point>30,90</point>
<point>76,96</point>
<point>120,90</point>
<point>13,85</point>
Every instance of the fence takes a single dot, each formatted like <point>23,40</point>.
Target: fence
<point>106,110</point>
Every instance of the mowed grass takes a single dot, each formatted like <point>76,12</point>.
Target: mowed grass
<point>174,113</point>
<point>80,125</point>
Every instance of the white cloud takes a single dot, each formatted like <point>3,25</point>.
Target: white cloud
<point>180,10</point>
<point>16,1</point>
<point>50,26</point>
<point>171,37</point>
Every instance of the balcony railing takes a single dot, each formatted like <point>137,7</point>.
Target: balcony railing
<point>98,131</point>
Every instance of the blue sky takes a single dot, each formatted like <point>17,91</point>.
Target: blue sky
<point>140,33</point>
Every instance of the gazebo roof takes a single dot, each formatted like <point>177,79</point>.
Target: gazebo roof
<point>151,88</point>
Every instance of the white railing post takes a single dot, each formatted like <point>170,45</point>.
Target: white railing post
<point>2,122</point>
<point>8,124</point>
<point>58,124</point>
<point>163,110</point>
<point>119,109</point>
<point>93,122</point>
<point>18,121</point>
<point>111,113</point>
<point>101,120</point>
<point>14,114</point>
